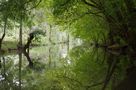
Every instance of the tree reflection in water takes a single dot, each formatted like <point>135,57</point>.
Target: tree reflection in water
<point>83,68</point>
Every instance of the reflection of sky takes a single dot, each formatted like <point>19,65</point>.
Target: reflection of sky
<point>1,78</point>
<point>63,51</point>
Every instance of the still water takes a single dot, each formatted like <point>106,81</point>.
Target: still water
<point>17,75</point>
<point>67,66</point>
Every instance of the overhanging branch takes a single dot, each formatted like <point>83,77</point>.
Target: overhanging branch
<point>89,4</point>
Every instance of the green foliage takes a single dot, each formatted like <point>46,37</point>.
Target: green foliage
<point>76,16</point>
<point>66,11</point>
<point>12,9</point>
<point>113,18</point>
<point>89,28</point>
<point>89,64</point>
<point>89,20</point>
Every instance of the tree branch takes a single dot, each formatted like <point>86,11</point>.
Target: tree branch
<point>89,4</point>
<point>96,84</point>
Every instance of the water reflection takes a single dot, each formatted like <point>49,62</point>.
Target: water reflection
<point>16,73</point>
<point>64,67</point>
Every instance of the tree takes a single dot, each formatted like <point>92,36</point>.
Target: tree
<point>118,15</point>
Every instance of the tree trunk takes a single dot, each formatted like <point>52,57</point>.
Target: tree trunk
<point>5,25</point>
<point>26,49</point>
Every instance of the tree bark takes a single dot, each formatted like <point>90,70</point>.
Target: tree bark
<point>5,25</point>
<point>26,49</point>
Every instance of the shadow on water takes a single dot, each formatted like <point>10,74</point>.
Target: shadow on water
<point>61,67</point>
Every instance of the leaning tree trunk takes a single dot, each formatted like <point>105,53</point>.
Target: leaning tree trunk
<point>26,48</point>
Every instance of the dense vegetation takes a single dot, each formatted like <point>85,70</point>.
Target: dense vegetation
<point>105,60</point>
<point>109,24</point>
